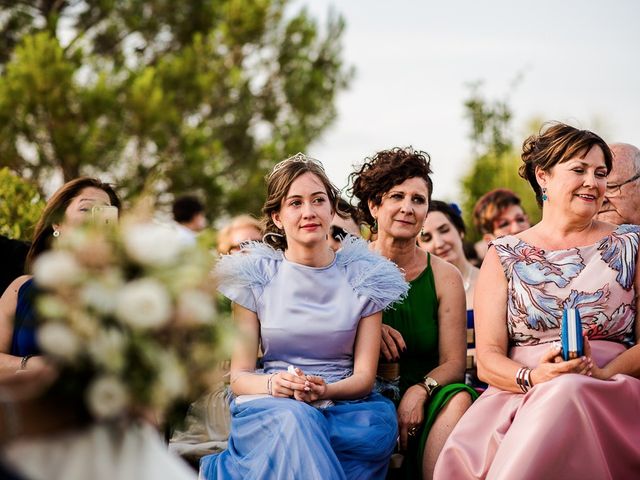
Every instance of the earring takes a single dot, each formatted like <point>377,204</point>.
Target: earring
<point>375,225</point>
<point>544,195</point>
<point>56,233</point>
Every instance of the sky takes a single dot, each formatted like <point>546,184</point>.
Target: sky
<point>576,61</point>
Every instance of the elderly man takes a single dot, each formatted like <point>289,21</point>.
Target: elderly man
<point>622,198</point>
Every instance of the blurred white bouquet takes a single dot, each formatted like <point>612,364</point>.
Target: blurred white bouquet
<point>128,313</point>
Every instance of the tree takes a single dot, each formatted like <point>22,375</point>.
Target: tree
<point>495,161</point>
<point>170,96</point>
<point>20,206</point>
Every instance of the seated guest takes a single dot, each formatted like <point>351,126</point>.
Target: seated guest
<point>424,335</point>
<point>189,217</point>
<point>316,314</point>
<point>442,234</point>
<point>622,197</point>
<point>343,224</point>
<point>543,416</point>
<point>68,207</point>
<point>241,229</point>
<point>498,213</point>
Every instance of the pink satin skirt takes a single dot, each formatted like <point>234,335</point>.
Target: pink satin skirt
<point>571,427</point>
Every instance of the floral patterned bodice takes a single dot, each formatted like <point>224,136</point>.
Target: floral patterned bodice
<point>596,279</point>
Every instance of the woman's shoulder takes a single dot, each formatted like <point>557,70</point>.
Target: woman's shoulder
<point>254,266</point>
<point>443,269</point>
<point>369,273</point>
<point>15,286</point>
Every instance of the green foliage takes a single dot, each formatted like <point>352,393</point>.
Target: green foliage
<point>20,206</point>
<point>201,96</point>
<point>496,162</point>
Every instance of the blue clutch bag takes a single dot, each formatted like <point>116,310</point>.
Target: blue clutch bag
<point>571,334</point>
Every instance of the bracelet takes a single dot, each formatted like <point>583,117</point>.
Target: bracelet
<point>270,384</point>
<point>23,362</point>
<point>523,379</point>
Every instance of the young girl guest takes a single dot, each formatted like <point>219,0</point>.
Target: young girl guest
<point>310,413</point>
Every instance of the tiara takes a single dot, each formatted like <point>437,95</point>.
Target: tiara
<point>297,158</point>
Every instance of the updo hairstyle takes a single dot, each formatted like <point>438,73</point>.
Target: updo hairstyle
<point>557,143</point>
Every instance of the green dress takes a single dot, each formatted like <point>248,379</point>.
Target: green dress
<point>416,318</point>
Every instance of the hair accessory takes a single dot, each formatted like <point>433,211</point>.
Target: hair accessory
<point>544,195</point>
<point>56,233</point>
<point>297,158</point>
<point>456,209</point>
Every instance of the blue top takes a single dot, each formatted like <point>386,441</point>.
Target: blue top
<point>309,316</point>
<point>23,341</point>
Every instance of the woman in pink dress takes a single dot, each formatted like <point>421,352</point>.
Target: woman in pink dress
<point>571,419</point>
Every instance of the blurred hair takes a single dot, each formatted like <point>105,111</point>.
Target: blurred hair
<point>382,172</point>
<point>451,212</point>
<point>557,143</point>
<point>240,221</point>
<point>490,206</point>
<point>186,207</point>
<point>55,208</point>
<point>279,182</point>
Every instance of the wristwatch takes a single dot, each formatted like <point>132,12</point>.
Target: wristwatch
<point>430,385</point>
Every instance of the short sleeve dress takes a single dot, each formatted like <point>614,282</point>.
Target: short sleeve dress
<point>573,426</point>
<point>308,318</point>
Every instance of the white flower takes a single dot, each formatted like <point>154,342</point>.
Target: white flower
<point>172,381</point>
<point>152,245</point>
<point>195,307</point>
<point>99,296</point>
<point>107,397</point>
<point>56,268</point>
<point>58,340</point>
<point>52,306</point>
<point>143,303</point>
<point>107,349</point>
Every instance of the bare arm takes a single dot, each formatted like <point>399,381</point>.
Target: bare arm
<point>492,338</point>
<point>8,303</point>
<point>452,325</point>
<point>243,361</point>
<point>365,356</point>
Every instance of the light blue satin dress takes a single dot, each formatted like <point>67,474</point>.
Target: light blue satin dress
<point>309,318</point>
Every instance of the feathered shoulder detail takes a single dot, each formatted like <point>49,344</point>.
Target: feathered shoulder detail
<point>254,266</point>
<point>370,274</point>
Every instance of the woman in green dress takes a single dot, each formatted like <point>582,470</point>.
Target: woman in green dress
<point>425,335</point>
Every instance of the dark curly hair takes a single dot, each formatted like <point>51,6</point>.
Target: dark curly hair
<point>382,172</point>
<point>278,184</point>
<point>557,143</point>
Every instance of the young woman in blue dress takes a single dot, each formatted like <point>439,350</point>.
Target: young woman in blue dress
<point>316,314</point>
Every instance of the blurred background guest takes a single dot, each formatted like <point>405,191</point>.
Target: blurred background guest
<point>189,217</point>
<point>343,224</point>
<point>240,229</point>
<point>622,197</point>
<point>424,335</point>
<point>498,212</point>
<point>70,206</point>
<point>542,416</point>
